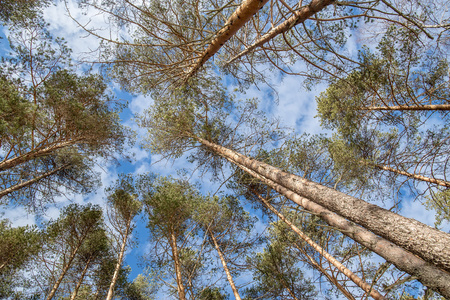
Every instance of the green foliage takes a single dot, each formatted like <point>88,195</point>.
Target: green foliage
<point>440,202</point>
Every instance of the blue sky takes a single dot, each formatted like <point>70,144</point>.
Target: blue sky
<point>296,109</point>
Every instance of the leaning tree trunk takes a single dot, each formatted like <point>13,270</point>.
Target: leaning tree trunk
<point>176,261</point>
<point>410,107</point>
<point>427,242</point>
<point>31,181</point>
<point>299,17</point>
<point>225,267</point>
<point>242,15</point>
<point>344,270</point>
<point>77,287</point>
<point>427,273</point>
<point>119,261</point>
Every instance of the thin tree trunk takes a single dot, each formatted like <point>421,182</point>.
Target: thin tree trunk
<point>344,270</point>
<point>410,107</point>
<point>410,175</point>
<point>225,267</point>
<point>322,270</point>
<point>77,287</point>
<point>119,261</point>
<point>427,273</point>
<point>63,273</point>
<point>238,19</point>
<point>426,242</point>
<point>176,260</point>
<point>43,151</point>
<point>31,181</point>
<point>299,17</point>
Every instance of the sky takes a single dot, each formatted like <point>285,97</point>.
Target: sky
<point>296,108</point>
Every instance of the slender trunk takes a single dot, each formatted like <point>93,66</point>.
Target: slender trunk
<point>427,242</point>
<point>238,19</point>
<point>77,287</point>
<point>63,273</point>
<point>427,273</point>
<point>322,270</point>
<point>176,261</point>
<point>410,175</point>
<point>353,277</point>
<point>225,267</point>
<point>42,151</point>
<point>31,181</point>
<point>119,261</point>
<point>410,107</point>
<point>299,17</point>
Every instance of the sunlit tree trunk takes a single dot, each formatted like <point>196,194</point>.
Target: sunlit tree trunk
<point>225,267</point>
<point>410,107</point>
<point>177,263</point>
<point>428,273</point>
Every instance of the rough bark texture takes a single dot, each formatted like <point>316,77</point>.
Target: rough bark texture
<point>427,273</point>
<point>43,151</point>
<point>225,267</point>
<point>410,175</point>
<point>353,277</point>
<point>31,181</point>
<point>80,281</point>
<point>299,17</point>
<point>426,242</point>
<point>119,262</point>
<point>410,107</point>
<point>176,261</point>
<point>238,19</point>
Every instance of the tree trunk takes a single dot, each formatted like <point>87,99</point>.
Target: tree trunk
<point>299,17</point>
<point>42,151</point>
<point>176,260</point>
<point>427,273</point>
<point>238,19</point>
<point>353,277</point>
<point>225,267</point>
<point>31,181</point>
<point>427,242</point>
<point>119,261</point>
<point>410,107</point>
<point>63,273</point>
<point>77,287</point>
<point>410,175</point>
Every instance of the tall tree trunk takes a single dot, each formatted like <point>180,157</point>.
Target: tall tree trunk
<point>80,281</point>
<point>225,267</point>
<point>176,261</point>
<point>119,261</point>
<point>63,273</point>
<point>426,242</point>
<point>410,175</point>
<point>238,19</point>
<point>38,152</point>
<point>410,107</point>
<point>353,277</point>
<point>299,17</point>
<point>427,273</point>
<point>31,181</point>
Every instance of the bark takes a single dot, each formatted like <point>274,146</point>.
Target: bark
<point>31,181</point>
<point>411,175</point>
<point>63,273</point>
<point>427,273</point>
<point>426,242</point>
<point>77,287</point>
<point>410,107</point>
<point>238,19</point>
<point>119,261</point>
<point>352,276</point>
<point>38,152</point>
<point>176,260</point>
<point>299,17</point>
<point>225,267</point>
